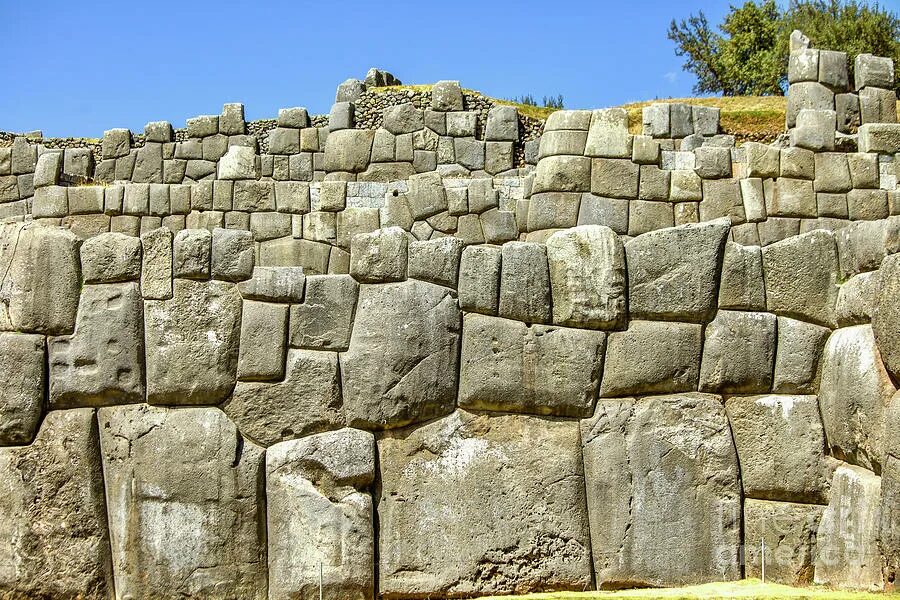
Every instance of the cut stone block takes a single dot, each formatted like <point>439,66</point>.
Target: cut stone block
<point>739,352</point>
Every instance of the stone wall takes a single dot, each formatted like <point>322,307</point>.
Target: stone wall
<point>235,369</point>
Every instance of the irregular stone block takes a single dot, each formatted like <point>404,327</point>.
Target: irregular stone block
<point>807,95</point>
<point>612,212</point>
<point>789,532</point>
<point>801,277</point>
<point>232,254</point>
<point>191,529</point>
<point>348,150</point>
<point>886,314</point>
<point>854,391</point>
<point>613,177</point>
<point>192,343</point>
<point>318,506</point>
<point>379,256</point>
<point>883,138</point>
<point>563,174</point>
<point>781,445</point>
<point>263,341</point>
<point>797,360</point>
<point>670,359</point>
<point>111,257</point>
<point>325,319</point>
<point>630,448</point>
<point>890,507</point>
<point>54,540</point>
<point>673,273</point>
<point>156,264</point>
<point>21,390</point>
<point>739,352</point>
<point>873,71</point>
<point>401,365</point>
<point>436,261</point>
<point>275,284</point>
<point>192,249</point>
<point>102,362</point>
<point>847,551</point>
<point>525,282</point>
<point>608,134</point>
<point>741,285</point>
<point>587,277</point>
<point>525,531</point>
<point>479,279</point>
<point>509,367</point>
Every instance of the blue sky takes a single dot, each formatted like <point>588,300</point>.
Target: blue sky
<point>77,68</point>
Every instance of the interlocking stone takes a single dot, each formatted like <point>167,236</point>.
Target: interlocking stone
<point>525,282</point>
<point>739,352</point>
<point>111,257</point>
<point>789,533</point>
<point>22,375</point>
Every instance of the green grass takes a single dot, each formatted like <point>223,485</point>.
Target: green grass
<point>748,588</point>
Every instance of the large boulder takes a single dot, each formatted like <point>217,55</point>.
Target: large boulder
<point>663,491</point>
<point>781,445</point>
<point>854,392</point>
<point>186,508</point>
<point>401,366</point>
<point>477,504</point>
<point>320,516</point>
<point>545,370</point>
<point>848,554</point>
<point>21,387</point>
<point>102,363</point>
<point>42,279</point>
<point>308,400</point>
<point>886,316</point>
<point>673,273</point>
<point>192,343</point>
<point>739,352</point>
<point>789,533</point>
<point>348,150</point>
<point>54,540</point>
<point>587,277</point>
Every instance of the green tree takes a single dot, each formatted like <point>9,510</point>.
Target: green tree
<point>748,54</point>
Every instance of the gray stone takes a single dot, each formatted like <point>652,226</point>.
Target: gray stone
<point>232,254</point>
<point>890,506</point>
<point>739,352</point>
<point>403,118</point>
<point>116,143</point>
<point>325,319</point>
<point>156,264</point>
<point>832,172</point>
<point>21,390</point>
<point>847,551</point>
<point>469,152</point>
<point>846,107</point>
<point>644,216</point>
<point>296,117</point>
<point>203,126</point>
<point>808,94</point>
<point>48,169</point>
<point>462,123</point>
<point>191,253</point>
<point>436,261</point>
<point>780,443</point>
<point>803,65</point>
<point>318,505</point>
<point>379,256</point>
<point>789,532</point>
<point>686,186</point>
<point>568,119</point>
<point>502,124</point>
<point>510,489</point>
<point>400,367</point>
<point>670,359</point>
<point>263,341</point>
<point>563,174</point>
<point>883,138</point>
<point>231,121</point>
<point>275,284</point>
<point>446,96</point>
<point>763,160</point>
<point>797,359</point>
<point>673,273</point>
<point>525,283</point>
<point>102,362</point>
<point>54,541</point>
<point>885,319</point>
<point>479,279</point>
<point>192,529</point>
<point>681,120</point>
<point>656,120</point>
<point>873,71</point>
<point>239,162</point>
<point>801,277</point>
<point>613,177</point>
<point>713,162</point>
<point>661,473</point>
<point>111,257</point>
<point>597,210</point>
<point>284,140</point>
<point>741,285</point>
<point>867,204</point>
<point>608,134</point>
<point>856,302</point>
<point>877,105</point>
<point>348,150</point>
<point>192,343</point>
<point>508,366</point>
<point>815,129</point>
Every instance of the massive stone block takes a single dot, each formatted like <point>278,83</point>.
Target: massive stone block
<point>854,391</point>
<point>847,553</point>
<point>102,363</point>
<point>889,535</point>
<point>21,387</point>
<point>111,257</point>
<point>401,365</point>
<point>54,541</point>
<point>319,513</point>
<point>587,277</point>
<point>477,504</point>
<point>797,358</point>
<point>789,532</point>
<point>886,315</point>
<point>307,401</point>
<point>739,353</point>
<point>525,282</point>
<point>673,273</point>
<point>325,319</point>
<point>508,366</point>
<point>663,491</point>
<point>39,291</point>
<point>192,343</point>
<point>781,445</point>
<point>195,527</point>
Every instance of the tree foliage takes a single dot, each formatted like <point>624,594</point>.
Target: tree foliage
<point>748,53</point>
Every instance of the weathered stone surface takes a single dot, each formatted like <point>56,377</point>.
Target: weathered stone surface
<point>263,341</point>
<point>789,531</point>
<point>889,535</point>
<point>479,279</point>
<point>857,299</point>
<point>156,264</point>
<point>801,277</point>
<point>563,174</point>
<point>855,389</point>
<point>275,284</point>
<point>232,254</point>
<point>239,162</point>
<point>192,251</point>
<point>781,446</point>
<point>545,370</point>
<point>111,257</point>
<point>436,261</point>
<point>192,343</point>
<point>741,285</point>
<point>401,365</point>
<point>102,362</point>
<point>379,256</point>
<point>31,300</point>
<point>446,96</point>
<point>21,389</point>
<point>348,150</point>
<point>886,314</point>
<point>587,277</point>
<point>54,541</point>
<point>669,359</point>
<point>319,512</point>
<point>847,552</point>
<point>325,319</point>
<point>739,352</point>
<point>308,400</point>
<point>673,273</point>
<point>509,493</point>
<point>663,491</point>
<point>525,282</point>
<point>797,359</point>
<point>194,528</point>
